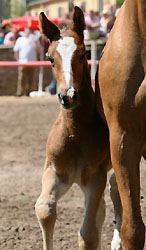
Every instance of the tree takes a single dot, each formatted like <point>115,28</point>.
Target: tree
<point>16,8</point>
<point>120,2</point>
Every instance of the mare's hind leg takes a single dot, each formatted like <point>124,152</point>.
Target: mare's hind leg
<point>115,197</point>
<point>90,233</point>
<point>126,149</point>
<point>53,187</point>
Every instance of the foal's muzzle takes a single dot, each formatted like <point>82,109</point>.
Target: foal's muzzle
<point>68,99</point>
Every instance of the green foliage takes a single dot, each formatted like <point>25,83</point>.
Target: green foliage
<point>16,8</point>
<point>120,2</point>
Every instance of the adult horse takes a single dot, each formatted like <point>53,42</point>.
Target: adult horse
<point>122,87</point>
<point>78,144</point>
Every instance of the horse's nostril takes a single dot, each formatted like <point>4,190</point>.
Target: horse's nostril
<point>62,98</point>
<point>75,95</point>
<point>69,99</point>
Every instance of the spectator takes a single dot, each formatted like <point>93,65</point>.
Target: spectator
<point>117,12</point>
<point>10,37</point>
<point>52,87</point>
<point>83,8</point>
<point>65,22</point>
<point>25,50</point>
<point>105,18</point>
<point>2,35</point>
<point>110,25</point>
<point>92,26</point>
<point>115,9</point>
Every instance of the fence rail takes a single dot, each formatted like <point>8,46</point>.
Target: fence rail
<point>7,64</point>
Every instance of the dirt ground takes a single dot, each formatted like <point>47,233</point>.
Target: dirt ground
<point>24,126</point>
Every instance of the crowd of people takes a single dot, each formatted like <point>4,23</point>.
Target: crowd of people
<point>27,46</point>
<point>100,24</point>
<point>97,24</point>
<point>8,37</point>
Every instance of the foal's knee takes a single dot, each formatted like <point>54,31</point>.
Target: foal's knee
<point>45,210</point>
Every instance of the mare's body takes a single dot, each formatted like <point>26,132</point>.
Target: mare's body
<point>122,86</point>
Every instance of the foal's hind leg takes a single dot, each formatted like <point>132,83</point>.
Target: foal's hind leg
<point>115,197</point>
<point>53,187</point>
<point>100,219</point>
<point>90,233</point>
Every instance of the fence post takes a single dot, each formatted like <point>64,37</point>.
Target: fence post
<point>93,58</point>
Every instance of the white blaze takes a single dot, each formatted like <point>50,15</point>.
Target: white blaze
<point>66,48</point>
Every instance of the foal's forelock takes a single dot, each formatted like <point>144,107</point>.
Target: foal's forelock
<point>66,49</point>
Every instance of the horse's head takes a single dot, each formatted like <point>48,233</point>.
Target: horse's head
<point>67,55</point>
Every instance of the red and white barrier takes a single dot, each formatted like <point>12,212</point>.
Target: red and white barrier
<point>7,64</point>
<point>41,64</point>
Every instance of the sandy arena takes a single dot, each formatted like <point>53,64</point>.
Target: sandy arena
<point>25,124</point>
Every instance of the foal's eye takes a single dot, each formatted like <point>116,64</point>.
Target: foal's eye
<point>51,60</point>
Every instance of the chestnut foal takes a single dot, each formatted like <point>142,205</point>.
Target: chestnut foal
<point>78,146</point>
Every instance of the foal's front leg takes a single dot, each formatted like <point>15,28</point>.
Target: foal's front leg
<point>90,233</point>
<point>53,187</point>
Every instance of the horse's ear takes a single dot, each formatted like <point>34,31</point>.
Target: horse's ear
<point>48,28</point>
<point>78,22</point>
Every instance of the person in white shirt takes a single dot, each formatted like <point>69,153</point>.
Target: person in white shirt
<point>92,26</point>
<point>25,50</point>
